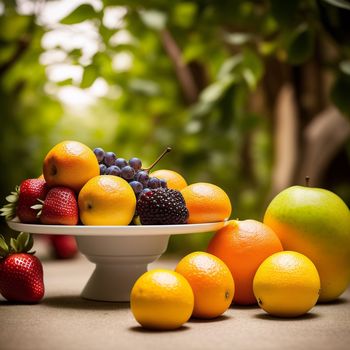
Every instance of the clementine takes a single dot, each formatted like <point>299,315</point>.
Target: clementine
<point>211,281</point>
<point>206,203</point>
<point>243,246</point>
<point>174,180</point>
<point>70,164</point>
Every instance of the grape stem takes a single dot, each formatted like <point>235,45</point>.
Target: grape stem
<point>167,150</point>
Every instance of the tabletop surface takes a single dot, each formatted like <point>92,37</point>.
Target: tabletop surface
<point>65,321</point>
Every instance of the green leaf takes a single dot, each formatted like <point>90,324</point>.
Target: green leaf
<point>12,198</point>
<point>340,93</point>
<point>106,33</point>
<point>253,68</point>
<point>184,14</point>
<point>4,249</point>
<point>201,108</point>
<point>153,19</point>
<point>9,211</point>
<point>89,76</point>
<point>13,244</point>
<point>12,26</point>
<point>80,14</point>
<point>229,65</point>
<point>193,51</point>
<point>75,55</point>
<point>102,61</point>
<point>215,91</point>
<point>237,38</point>
<point>22,242</point>
<point>300,45</point>
<point>7,51</point>
<point>65,82</point>
<point>268,47</point>
<point>145,87</point>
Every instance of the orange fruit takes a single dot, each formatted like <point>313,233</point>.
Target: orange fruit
<point>211,282</point>
<point>243,246</point>
<point>206,203</point>
<point>287,284</point>
<point>174,180</point>
<point>106,200</point>
<point>70,164</point>
<point>161,299</point>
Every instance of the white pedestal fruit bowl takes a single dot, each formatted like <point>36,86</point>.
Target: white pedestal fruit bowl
<point>121,253</point>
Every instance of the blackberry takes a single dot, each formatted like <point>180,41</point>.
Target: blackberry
<point>162,206</point>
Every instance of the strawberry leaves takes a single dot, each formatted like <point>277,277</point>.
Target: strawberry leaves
<point>4,249</point>
<point>9,209</point>
<point>38,207</point>
<point>22,244</point>
<point>23,198</point>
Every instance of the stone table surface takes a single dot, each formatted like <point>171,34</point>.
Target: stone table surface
<point>65,321</point>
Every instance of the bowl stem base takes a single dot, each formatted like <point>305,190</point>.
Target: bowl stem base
<point>119,261</point>
<point>112,282</point>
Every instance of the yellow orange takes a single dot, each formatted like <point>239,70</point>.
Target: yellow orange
<point>70,164</point>
<point>211,281</point>
<point>206,203</point>
<point>174,180</point>
<point>287,284</point>
<point>161,299</point>
<point>106,200</point>
<point>243,246</point>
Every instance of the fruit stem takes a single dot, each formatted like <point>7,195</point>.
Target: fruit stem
<point>307,181</point>
<point>167,150</point>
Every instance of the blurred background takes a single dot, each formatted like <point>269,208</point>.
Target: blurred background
<point>251,95</point>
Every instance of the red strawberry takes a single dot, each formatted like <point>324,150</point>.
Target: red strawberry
<point>23,198</point>
<point>21,273</point>
<point>65,247</point>
<point>60,207</point>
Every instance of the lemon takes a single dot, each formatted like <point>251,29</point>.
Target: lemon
<point>286,284</point>
<point>161,299</point>
<point>106,200</point>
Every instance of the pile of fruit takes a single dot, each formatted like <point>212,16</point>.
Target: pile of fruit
<point>298,255</point>
<point>286,270</point>
<point>94,187</point>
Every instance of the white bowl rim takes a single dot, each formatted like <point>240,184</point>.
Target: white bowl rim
<point>118,231</point>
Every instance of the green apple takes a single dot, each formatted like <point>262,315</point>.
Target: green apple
<point>316,223</point>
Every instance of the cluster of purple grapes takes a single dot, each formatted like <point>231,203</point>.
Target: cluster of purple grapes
<point>130,171</point>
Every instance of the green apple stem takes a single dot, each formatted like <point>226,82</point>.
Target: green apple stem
<point>307,181</point>
<point>167,150</point>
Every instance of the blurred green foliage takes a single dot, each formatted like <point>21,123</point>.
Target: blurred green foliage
<point>194,67</point>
